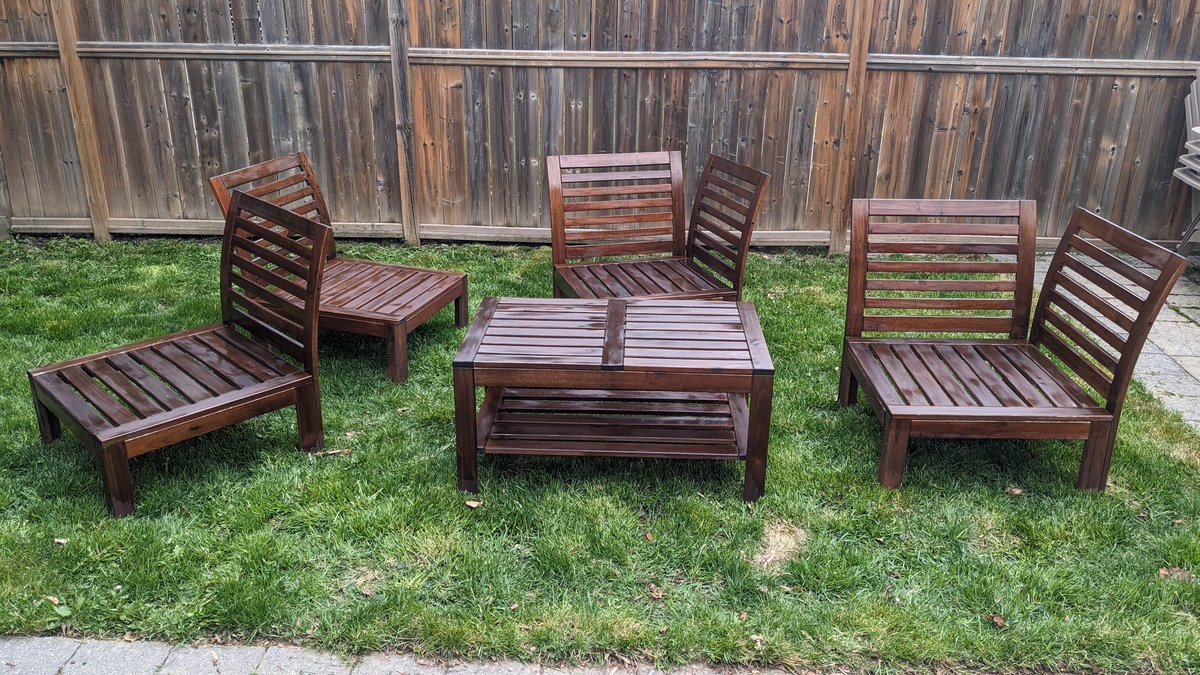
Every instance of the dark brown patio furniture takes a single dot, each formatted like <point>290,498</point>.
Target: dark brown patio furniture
<point>1093,315</point>
<point>261,357</point>
<point>359,296</point>
<point>649,378</point>
<point>620,205</point>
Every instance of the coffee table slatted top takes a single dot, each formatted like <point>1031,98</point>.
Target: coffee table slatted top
<point>619,334</point>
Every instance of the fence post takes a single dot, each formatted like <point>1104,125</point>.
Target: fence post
<point>78,100</point>
<point>5,204</point>
<point>402,107</point>
<point>852,121</point>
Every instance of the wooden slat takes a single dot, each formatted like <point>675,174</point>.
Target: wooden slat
<point>610,176</point>
<point>967,229</point>
<point>873,302</point>
<point>925,285</point>
<point>935,324</point>
<point>129,391</point>
<point>167,397</point>
<point>98,398</point>
<point>1077,363</point>
<point>940,267</point>
<point>941,248</point>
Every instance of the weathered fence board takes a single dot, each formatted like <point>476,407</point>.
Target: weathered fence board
<point>1067,103</point>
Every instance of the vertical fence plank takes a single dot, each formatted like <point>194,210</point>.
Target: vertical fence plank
<point>402,108</point>
<point>5,205</point>
<point>853,118</point>
<point>81,118</point>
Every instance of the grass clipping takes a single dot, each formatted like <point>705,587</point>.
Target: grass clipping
<point>781,541</point>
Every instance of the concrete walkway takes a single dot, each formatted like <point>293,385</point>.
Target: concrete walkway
<point>52,655</point>
<point>1170,363</point>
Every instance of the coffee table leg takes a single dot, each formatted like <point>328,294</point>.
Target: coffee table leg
<point>761,389</point>
<point>465,429</point>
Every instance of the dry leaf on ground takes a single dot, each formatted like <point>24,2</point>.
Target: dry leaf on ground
<point>1176,574</point>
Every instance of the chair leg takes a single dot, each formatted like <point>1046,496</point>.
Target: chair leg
<point>48,424</point>
<point>462,311</point>
<point>308,417</point>
<point>396,345</point>
<point>1097,457</point>
<point>847,385</point>
<point>118,484</point>
<point>895,452</point>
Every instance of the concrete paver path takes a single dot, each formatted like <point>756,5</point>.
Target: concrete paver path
<point>54,655</point>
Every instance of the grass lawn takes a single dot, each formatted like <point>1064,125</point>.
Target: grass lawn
<point>239,534</point>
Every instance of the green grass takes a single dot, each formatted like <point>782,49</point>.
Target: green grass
<point>239,534</point>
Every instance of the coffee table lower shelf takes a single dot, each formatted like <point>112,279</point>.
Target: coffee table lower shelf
<point>612,423</point>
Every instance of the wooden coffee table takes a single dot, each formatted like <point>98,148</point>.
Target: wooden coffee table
<point>615,378</point>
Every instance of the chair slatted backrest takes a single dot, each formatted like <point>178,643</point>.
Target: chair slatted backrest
<point>609,205</point>
<point>943,266</point>
<point>271,265</point>
<point>288,182</point>
<point>1104,288</point>
<point>724,211</point>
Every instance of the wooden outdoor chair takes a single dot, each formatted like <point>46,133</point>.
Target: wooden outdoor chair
<point>261,357</point>
<point>1093,314</point>
<point>620,205</point>
<point>360,296</point>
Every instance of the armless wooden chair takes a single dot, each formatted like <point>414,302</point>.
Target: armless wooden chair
<point>261,357</point>
<point>619,205</point>
<point>1094,313</point>
<point>360,296</point>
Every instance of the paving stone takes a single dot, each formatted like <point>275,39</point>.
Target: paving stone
<point>1191,364</point>
<point>1163,374</point>
<point>1185,299</point>
<point>1187,406</point>
<point>35,655</point>
<point>695,670</point>
<point>1191,314</point>
<point>495,668</point>
<point>222,659</point>
<point>297,661</point>
<point>117,658</point>
<point>402,664</point>
<point>609,669</point>
<point>1172,313</point>
<point>1177,338</point>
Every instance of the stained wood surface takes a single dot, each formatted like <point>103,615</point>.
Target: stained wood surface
<point>629,206</point>
<point>1093,315</point>
<point>359,296</point>
<point>660,336</point>
<point>619,378</point>
<point>1096,121</point>
<point>262,356</point>
<point>941,266</point>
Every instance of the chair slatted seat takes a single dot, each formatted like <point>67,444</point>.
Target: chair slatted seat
<point>129,401</point>
<point>358,296</point>
<point>936,281</point>
<point>630,206</point>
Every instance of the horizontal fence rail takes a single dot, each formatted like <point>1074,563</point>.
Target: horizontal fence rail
<point>546,58</point>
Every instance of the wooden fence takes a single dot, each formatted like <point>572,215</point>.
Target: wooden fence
<point>432,117</point>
